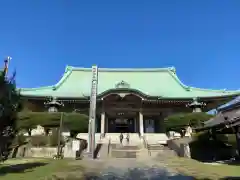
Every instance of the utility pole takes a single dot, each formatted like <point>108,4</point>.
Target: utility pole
<point>92,111</point>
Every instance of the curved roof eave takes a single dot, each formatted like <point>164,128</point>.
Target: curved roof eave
<point>171,71</point>
<point>68,71</point>
<point>189,88</point>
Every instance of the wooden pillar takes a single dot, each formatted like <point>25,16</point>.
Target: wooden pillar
<point>141,126</point>
<point>106,124</point>
<point>103,123</point>
<point>156,125</point>
<point>135,124</point>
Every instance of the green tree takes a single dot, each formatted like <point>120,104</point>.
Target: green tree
<point>29,120</point>
<point>74,122</point>
<point>26,125</point>
<point>9,105</point>
<point>178,122</point>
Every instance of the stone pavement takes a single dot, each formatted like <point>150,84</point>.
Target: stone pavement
<point>128,169</point>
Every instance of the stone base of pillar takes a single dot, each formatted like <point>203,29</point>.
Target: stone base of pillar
<point>102,135</point>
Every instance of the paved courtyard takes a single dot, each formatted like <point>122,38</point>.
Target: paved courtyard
<point>128,169</point>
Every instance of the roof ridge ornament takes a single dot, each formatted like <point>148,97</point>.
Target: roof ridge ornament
<point>173,69</point>
<point>188,88</point>
<point>68,68</point>
<point>122,84</point>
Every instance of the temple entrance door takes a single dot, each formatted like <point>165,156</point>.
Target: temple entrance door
<point>122,111</point>
<point>121,125</point>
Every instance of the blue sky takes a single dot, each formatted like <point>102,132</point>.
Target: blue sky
<point>201,39</point>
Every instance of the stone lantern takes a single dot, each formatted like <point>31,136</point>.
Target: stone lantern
<point>196,106</point>
<point>53,105</point>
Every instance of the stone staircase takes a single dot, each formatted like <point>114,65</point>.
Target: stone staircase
<point>156,149</point>
<point>152,138</point>
<point>154,144</point>
<point>134,138</point>
<point>124,150</point>
<point>121,151</point>
<point>156,138</point>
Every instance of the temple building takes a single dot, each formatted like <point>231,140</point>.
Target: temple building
<point>128,100</point>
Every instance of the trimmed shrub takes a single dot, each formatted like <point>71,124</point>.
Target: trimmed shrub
<point>19,140</point>
<point>179,121</point>
<point>26,125</point>
<point>32,119</point>
<point>75,122</point>
<point>229,139</point>
<point>218,146</point>
<point>39,140</point>
<point>53,138</point>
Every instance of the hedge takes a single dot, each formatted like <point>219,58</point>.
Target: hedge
<point>73,121</point>
<point>220,147</point>
<point>178,121</point>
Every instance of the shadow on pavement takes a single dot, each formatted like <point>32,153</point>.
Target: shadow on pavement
<point>19,168</point>
<point>136,174</point>
<point>158,177</point>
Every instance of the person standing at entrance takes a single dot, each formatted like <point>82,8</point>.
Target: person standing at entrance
<point>121,138</point>
<point>128,138</point>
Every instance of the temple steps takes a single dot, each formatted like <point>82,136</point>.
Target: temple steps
<point>152,138</point>
<point>124,151</point>
<point>157,149</point>
<point>156,138</point>
<point>124,154</point>
<point>121,147</point>
<point>134,137</point>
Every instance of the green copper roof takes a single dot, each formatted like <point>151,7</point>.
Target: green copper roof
<point>162,82</point>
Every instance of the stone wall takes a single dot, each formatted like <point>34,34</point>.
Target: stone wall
<point>68,151</point>
<point>46,152</point>
<point>180,146</point>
